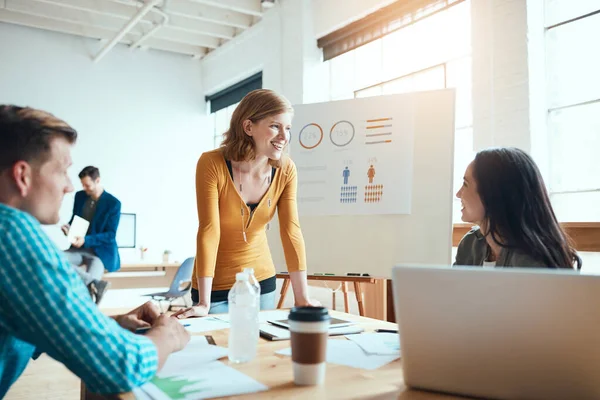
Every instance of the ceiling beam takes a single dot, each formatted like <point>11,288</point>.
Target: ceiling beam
<point>204,27</point>
<point>199,12</point>
<point>116,9</point>
<point>250,7</point>
<point>95,32</point>
<point>39,22</point>
<point>125,11</point>
<point>174,35</point>
<point>126,29</point>
<point>108,22</point>
<point>160,44</point>
<point>77,15</point>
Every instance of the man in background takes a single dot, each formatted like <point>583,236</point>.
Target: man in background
<point>97,250</point>
<point>44,306</point>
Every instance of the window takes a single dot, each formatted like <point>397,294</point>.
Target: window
<point>573,96</point>
<point>221,119</point>
<point>222,104</point>
<point>432,53</point>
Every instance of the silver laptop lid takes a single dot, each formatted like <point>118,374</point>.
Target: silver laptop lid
<point>499,333</point>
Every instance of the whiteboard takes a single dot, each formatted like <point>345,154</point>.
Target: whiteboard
<point>354,157</point>
<point>373,244</point>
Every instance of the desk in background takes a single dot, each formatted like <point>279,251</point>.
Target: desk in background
<point>142,275</point>
<point>341,382</point>
<point>371,292</point>
<point>376,293</point>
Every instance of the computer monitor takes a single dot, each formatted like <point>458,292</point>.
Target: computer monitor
<point>126,236</point>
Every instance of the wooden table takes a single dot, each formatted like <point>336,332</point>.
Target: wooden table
<point>380,286</point>
<point>275,371</point>
<point>149,266</point>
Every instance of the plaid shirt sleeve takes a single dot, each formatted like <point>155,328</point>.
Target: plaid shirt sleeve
<point>44,302</point>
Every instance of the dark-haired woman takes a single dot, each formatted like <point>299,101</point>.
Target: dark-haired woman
<point>503,193</point>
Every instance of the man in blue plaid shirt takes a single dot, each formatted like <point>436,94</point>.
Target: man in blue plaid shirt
<point>44,305</point>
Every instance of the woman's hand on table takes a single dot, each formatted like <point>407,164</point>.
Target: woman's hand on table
<point>192,312</point>
<point>307,303</point>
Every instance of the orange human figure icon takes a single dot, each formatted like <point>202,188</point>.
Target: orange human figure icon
<point>371,173</point>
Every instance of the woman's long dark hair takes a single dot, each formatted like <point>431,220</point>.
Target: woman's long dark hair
<point>518,212</point>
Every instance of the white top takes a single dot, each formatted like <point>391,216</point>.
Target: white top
<point>489,264</point>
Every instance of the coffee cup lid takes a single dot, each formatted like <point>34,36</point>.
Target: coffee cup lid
<point>309,314</point>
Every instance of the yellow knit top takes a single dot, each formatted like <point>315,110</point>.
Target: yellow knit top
<point>221,251</point>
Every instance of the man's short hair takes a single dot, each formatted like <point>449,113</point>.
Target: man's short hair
<point>92,172</point>
<point>26,134</point>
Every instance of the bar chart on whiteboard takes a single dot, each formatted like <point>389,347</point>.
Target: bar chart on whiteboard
<point>354,157</point>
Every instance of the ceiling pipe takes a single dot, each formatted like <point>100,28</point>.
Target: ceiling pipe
<point>155,28</point>
<point>128,26</point>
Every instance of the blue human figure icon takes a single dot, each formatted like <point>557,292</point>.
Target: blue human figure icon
<point>346,175</point>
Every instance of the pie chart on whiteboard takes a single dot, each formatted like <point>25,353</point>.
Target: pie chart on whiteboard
<point>310,136</point>
<point>342,133</point>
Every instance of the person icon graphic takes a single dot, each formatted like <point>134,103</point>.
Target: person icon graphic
<point>346,175</point>
<point>371,173</point>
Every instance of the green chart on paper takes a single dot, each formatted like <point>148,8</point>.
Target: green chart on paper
<point>174,386</point>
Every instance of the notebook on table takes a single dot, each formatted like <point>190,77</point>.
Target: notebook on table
<point>334,323</point>
<point>272,331</point>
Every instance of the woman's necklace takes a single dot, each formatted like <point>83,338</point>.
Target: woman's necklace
<point>243,206</point>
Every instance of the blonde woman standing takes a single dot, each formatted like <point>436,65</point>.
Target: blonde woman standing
<point>238,189</point>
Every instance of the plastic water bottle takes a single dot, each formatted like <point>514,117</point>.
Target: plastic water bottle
<point>254,283</point>
<point>243,318</point>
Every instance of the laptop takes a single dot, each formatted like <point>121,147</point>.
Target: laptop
<point>501,333</point>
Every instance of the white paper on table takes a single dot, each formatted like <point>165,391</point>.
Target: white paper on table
<point>383,343</point>
<point>139,394</point>
<point>195,353</point>
<point>191,373</point>
<point>263,316</point>
<point>204,324</point>
<point>204,381</point>
<point>345,352</point>
<point>79,228</point>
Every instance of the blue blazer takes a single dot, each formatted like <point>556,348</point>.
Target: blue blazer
<point>103,228</point>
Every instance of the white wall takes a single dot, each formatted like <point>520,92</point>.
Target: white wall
<point>140,117</point>
<point>238,59</point>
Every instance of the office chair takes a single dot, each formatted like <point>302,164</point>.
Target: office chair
<point>180,286</point>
